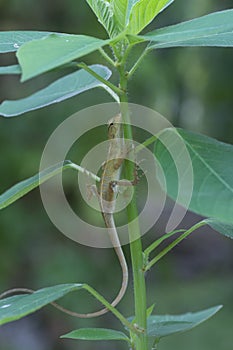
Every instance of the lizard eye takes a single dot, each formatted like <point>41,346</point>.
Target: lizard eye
<point>110,126</point>
<point>114,186</point>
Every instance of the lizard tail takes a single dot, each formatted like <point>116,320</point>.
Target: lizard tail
<point>118,298</point>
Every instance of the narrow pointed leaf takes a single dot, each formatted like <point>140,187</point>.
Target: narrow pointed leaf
<point>160,326</point>
<point>12,40</point>
<point>39,56</point>
<point>224,229</point>
<point>23,187</point>
<point>14,69</point>
<point>148,313</point>
<point>143,12</point>
<point>96,334</point>
<point>60,90</point>
<point>212,163</point>
<point>215,29</point>
<point>16,307</point>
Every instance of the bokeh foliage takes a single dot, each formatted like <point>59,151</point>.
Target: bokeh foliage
<point>193,88</point>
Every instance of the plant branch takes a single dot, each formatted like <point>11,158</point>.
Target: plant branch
<point>107,57</point>
<point>84,171</point>
<point>102,80</point>
<point>155,244</point>
<point>137,63</point>
<point>111,308</point>
<point>173,244</point>
<point>146,143</point>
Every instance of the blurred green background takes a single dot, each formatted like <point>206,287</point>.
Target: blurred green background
<point>191,87</point>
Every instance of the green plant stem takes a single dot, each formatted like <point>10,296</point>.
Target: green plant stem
<point>158,241</point>
<point>146,143</point>
<point>140,341</point>
<point>173,244</point>
<point>115,312</point>
<point>102,80</point>
<point>137,64</point>
<point>106,57</point>
<point>84,171</point>
<point>149,141</point>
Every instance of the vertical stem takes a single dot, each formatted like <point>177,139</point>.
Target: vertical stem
<point>134,232</point>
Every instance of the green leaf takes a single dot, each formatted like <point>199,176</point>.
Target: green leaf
<point>120,9</point>
<point>16,307</point>
<point>212,163</point>
<point>142,12</point>
<point>14,69</point>
<point>129,6</point>
<point>225,229</point>
<point>39,56</point>
<point>60,90</point>
<point>215,29</point>
<point>163,325</point>
<point>11,41</point>
<point>104,11</point>
<point>96,334</point>
<point>23,187</point>
<point>133,15</point>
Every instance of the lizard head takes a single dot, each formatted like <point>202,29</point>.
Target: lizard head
<point>114,127</point>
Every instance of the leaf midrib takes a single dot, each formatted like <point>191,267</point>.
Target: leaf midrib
<point>208,166</point>
<point>187,40</point>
